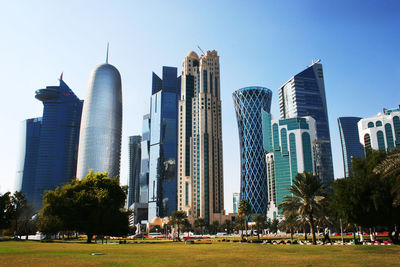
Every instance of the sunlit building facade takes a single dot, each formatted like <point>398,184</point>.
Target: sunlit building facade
<point>289,150</point>
<point>134,169</point>
<point>248,103</point>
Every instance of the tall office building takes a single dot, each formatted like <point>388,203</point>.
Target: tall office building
<point>200,173</point>
<point>52,143</point>
<point>349,139</point>
<point>134,169</point>
<point>236,201</point>
<point>29,151</point>
<point>381,131</point>
<point>163,144</point>
<point>145,160</point>
<point>101,127</point>
<point>249,102</point>
<point>304,95</point>
<point>289,150</point>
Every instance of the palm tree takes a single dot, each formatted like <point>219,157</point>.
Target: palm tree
<point>306,198</point>
<point>390,168</point>
<point>178,218</point>
<point>259,219</point>
<point>289,224</point>
<point>245,211</point>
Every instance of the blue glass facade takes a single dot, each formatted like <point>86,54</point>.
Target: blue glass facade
<point>349,139</point>
<point>304,95</point>
<point>163,144</point>
<point>57,144</point>
<point>145,159</point>
<point>134,169</point>
<point>26,173</point>
<point>249,102</point>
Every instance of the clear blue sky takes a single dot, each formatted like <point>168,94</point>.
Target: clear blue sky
<point>259,42</point>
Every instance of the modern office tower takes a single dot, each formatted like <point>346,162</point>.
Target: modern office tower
<point>288,146</point>
<point>134,169</point>
<point>381,131</point>
<point>349,138</point>
<point>236,200</point>
<point>249,102</point>
<point>163,144</point>
<point>200,173</point>
<point>101,127</point>
<point>145,160</point>
<point>51,143</point>
<point>304,95</point>
<point>29,151</point>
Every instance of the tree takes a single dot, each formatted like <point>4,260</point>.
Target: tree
<point>306,198</point>
<point>178,217</point>
<point>201,223</point>
<point>259,219</point>
<point>389,168</point>
<point>289,224</point>
<point>228,226</point>
<point>93,205</point>
<point>273,227</point>
<point>244,210</point>
<point>214,227</point>
<point>5,211</point>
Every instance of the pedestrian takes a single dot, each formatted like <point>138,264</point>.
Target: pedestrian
<point>326,237</point>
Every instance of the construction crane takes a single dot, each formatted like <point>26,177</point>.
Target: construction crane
<point>201,50</point>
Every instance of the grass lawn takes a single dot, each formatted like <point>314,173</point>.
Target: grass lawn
<point>31,253</point>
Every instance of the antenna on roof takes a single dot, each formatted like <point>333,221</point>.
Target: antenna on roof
<point>201,50</point>
<point>108,44</point>
<point>61,76</point>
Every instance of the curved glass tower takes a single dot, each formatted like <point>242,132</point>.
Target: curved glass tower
<point>101,126</point>
<point>249,102</point>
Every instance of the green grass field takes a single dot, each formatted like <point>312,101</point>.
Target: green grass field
<point>31,253</point>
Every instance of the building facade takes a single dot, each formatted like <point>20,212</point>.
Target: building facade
<point>289,150</point>
<point>29,151</point>
<point>163,144</point>
<point>304,95</point>
<point>381,131</point>
<point>236,201</point>
<point>101,127</point>
<point>52,143</point>
<point>134,169</point>
<point>248,103</point>
<point>349,139</point>
<point>200,171</point>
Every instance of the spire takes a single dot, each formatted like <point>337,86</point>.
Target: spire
<point>61,76</point>
<point>107,53</point>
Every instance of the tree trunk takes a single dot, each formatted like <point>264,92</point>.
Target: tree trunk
<point>245,227</point>
<point>89,237</point>
<point>178,232</point>
<point>291,234</point>
<point>311,222</point>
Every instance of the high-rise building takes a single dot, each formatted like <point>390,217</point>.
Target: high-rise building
<point>134,169</point>
<point>101,127</point>
<point>289,150</point>
<point>304,95</point>
<point>381,131</point>
<point>249,102</point>
<point>349,138</point>
<point>163,144</point>
<point>29,151</point>
<point>145,160</point>
<point>236,201</point>
<point>200,173</point>
<point>51,149</point>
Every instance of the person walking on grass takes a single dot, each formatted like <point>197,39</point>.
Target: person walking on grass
<point>326,237</point>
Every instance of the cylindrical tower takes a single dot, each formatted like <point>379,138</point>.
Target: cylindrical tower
<point>101,126</point>
<point>248,103</point>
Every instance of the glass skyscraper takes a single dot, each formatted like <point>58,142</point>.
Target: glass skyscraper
<point>249,102</point>
<point>236,200</point>
<point>54,149</point>
<point>288,145</point>
<point>349,139</point>
<point>304,95</point>
<point>163,144</point>
<point>134,169</point>
<point>101,127</point>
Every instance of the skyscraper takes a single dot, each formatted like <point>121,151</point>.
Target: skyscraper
<point>52,153</point>
<point>289,150</point>
<point>134,169</point>
<point>349,139</point>
<point>236,200</point>
<point>145,160</point>
<point>249,102</point>
<point>200,172</point>
<point>163,143</point>
<point>101,127</point>
<point>381,131</point>
<point>304,95</point>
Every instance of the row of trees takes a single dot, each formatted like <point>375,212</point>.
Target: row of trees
<point>369,199</point>
<point>16,215</point>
